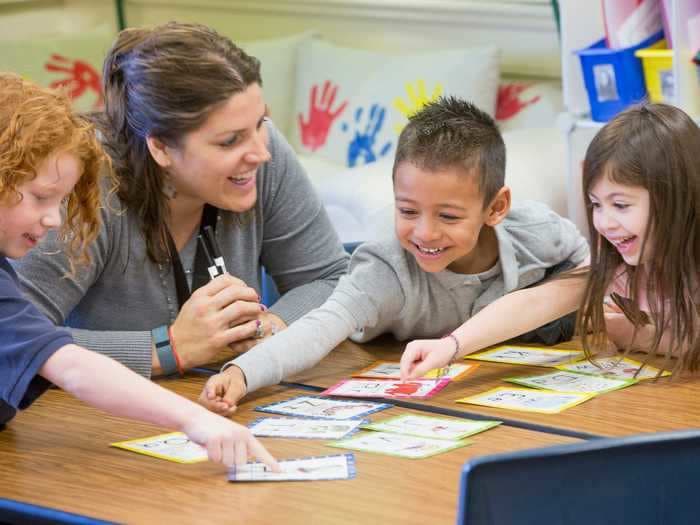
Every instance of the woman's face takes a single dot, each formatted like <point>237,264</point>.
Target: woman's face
<point>217,163</point>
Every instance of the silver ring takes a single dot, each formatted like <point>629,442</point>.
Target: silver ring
<point>259,330</point>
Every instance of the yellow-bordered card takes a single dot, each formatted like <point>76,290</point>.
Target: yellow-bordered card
<point>566,381</point>
<point>528,355</point>
<point>175,446</point>
<point>392,370</point>
<point>527,399</point>
<point>621,368</point>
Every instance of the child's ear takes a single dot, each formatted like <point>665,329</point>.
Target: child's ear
<point>499,207</point>
<point>159,151</point>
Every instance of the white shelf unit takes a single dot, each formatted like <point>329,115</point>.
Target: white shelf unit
<point>582,25</point>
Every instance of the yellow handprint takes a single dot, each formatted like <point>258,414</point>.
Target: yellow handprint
<point>417,98</point>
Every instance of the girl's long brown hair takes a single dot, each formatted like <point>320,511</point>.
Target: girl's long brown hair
<point>656,147</point>
<point>34,124</point>
<point>163,82</point>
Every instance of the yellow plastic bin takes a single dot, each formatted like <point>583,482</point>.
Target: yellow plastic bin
<point>657,62</point>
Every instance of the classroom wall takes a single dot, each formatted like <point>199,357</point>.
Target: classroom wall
<point>34,18</point>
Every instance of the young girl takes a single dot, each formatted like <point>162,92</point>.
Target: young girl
<point>641,185</point>
<point>49,166</point>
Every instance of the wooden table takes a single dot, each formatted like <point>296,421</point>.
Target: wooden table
<point>56,454</point>
<point>648,406</point>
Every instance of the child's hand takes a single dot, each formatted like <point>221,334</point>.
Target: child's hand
<point>226,442</point>
<point>423,355</point>
<point>222,391</point>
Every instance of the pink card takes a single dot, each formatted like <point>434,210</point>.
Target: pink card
<point>415,389</point>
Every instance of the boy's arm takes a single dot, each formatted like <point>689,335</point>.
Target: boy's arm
<point>505,318</point>
<point>110,386</point>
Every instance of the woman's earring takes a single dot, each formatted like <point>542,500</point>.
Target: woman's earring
<point>168,188</point>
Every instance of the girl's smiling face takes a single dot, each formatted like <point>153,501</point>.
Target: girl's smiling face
<point>621,215</point>
<point>24,223</point>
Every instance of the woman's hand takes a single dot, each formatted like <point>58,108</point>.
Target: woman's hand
<point>270,324</point>
<point>223,311</point>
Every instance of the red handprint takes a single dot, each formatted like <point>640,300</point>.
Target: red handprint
<point>509,103</point>
<point>403,389</point>
<point>314,132</point>
<point>83,77</point>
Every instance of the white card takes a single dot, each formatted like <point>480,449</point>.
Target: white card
<point>415,388</point>
<point>392,370</point>
<point>305,428</point>
<point>174,446</point>
<point>614,367</point>
<point>527,399</point>
<point>412,447</point>
<point>319,407</point>
<point>341,466</point>
<point>565,381</point>
<point>431,427</point>
<point>525,355</point>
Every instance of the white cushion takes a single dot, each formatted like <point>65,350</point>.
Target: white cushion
<point>351,104</point>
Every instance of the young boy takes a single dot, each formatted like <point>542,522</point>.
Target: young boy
<point>49,169</point>
<point>458,247</point>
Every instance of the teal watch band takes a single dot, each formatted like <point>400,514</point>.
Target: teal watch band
<point>161,340</point>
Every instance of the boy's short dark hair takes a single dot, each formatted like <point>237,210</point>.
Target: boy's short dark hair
<point>451,132</point>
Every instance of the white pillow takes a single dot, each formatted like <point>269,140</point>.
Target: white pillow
<point>349,102</point>
<point>278,66</point>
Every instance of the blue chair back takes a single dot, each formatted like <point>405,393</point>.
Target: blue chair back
<point>21,513</point>
<point>640,480</point>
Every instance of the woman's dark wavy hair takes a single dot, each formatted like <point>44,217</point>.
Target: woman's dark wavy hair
<point>656,147</point>
<point>163,82</point>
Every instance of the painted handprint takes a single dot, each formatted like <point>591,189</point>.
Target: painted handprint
<point>509,103</point>
<point>81,77</point>
<point>417,98</point>
<point>314,131</point>
<point>361,148</point>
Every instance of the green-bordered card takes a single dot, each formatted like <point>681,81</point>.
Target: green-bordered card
<point>411,447</point>
<point>565,381</point>
<point>431,427</point>
<point>619,367</point>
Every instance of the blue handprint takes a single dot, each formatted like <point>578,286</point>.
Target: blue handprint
<point>361,148</point>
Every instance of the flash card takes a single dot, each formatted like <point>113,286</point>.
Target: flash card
<point>341,466</point>
<point>527,355</point>
<point>305,428</point>
<point>431,427</point>
<point>416,388</point>
<point>175,446</point>
<point>319,407</point>
<point>565,381</point>
<point>622,368</point>
<point>527,400</point>
<point>412,447</point>
<point>391,370</point>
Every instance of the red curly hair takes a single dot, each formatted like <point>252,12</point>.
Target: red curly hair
<point>35,123</point>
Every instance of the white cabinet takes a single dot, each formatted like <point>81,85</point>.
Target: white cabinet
<point>581,25</point>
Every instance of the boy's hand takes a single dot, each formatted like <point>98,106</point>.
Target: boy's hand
<point>226,442</point>
<point>423,355</point>
<point>222,391</point>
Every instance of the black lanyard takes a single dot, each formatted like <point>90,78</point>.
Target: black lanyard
<point>200,272</point>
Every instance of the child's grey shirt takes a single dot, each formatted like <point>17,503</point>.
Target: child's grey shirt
<point>386,291</point>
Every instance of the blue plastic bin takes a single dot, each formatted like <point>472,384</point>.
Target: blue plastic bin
<point>614,77</point>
